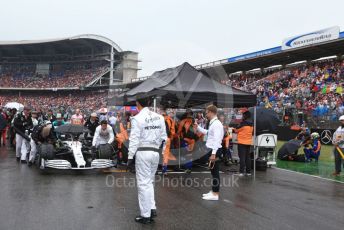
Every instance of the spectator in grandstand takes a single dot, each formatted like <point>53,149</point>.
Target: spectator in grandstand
<point>77,118</point>
<point>50,116</point>
<point>103,114</point>
<point>59,120</point>
<point>112,119</point>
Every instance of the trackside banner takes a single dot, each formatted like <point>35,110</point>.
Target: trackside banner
<point>311,38</point>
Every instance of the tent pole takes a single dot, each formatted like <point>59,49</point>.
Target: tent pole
<point>154,104</point>
<point>179,154</point>
<point>254,143</point>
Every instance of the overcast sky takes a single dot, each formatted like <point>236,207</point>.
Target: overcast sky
<point>167,33</point>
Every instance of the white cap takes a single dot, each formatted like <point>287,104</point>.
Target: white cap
<point>315,135</point>
<point>341,118</point>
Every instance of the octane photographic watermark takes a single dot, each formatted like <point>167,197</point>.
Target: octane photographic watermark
<point>173,182</point>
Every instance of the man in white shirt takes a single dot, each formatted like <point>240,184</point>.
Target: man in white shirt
<point>148,132</point>
<point>103,134</point>
<point>113,120</point>
<point>214,136</point>
<point>338,141</point>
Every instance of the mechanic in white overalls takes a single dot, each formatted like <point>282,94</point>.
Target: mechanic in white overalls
<point>33,146</point>
<point>148,133</point>
<point>103,134</point>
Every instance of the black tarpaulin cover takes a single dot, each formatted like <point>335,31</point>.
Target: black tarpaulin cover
<point>184,86</point>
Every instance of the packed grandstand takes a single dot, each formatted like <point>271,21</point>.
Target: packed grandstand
<point>65,73</point>
<point>60,75</point>
<point>78,72</point>
<point>315,88</point>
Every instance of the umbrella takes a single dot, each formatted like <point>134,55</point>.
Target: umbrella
<point>71,129</point>
<point>267,120</point>
<point>289,148</point>
<point>103,110</point>
<point>14,105</point>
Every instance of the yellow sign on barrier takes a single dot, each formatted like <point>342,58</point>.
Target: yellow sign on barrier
<point>340,152</point>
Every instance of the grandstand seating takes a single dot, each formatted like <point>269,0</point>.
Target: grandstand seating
<point>61,75</point>
<point>315,88</point>
<point>85,100</point>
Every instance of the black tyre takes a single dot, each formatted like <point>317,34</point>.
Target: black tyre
<point>47,151</point>
<point>105,151</point>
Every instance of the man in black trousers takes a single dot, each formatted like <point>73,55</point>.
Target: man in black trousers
<point>214,136</point>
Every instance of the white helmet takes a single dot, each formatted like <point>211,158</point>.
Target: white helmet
<point>341,118</point>
<point>315,135</point>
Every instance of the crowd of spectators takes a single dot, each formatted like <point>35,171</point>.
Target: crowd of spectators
<point>60,75</point>
<point>242,80</point>
<point>315,88</point>
<point>55,101</point>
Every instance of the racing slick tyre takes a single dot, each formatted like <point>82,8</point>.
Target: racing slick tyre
<point>104,151</point>
<point>47,151</point>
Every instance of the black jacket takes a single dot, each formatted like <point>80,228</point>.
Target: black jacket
<point>3,122</point>
<point>92,126</point>
<point>37,134</point>
<point>21,123</point>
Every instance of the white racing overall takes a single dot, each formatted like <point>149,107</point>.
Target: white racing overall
<point>148,132</point>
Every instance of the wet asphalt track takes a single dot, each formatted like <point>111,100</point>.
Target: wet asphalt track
<point>61,200</point>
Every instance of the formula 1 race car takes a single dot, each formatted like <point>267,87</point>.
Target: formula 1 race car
<point>73,151</point>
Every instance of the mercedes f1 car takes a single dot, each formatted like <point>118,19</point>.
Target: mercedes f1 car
<point>73,151</point>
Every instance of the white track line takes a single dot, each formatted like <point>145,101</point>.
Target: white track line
<point>201,172</point>
<point>319,177</point>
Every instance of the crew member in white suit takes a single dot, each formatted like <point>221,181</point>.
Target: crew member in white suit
<point>103,134</point>
<point>147,137</point>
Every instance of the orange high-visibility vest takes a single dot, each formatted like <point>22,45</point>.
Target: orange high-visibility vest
<point>245,133</point>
